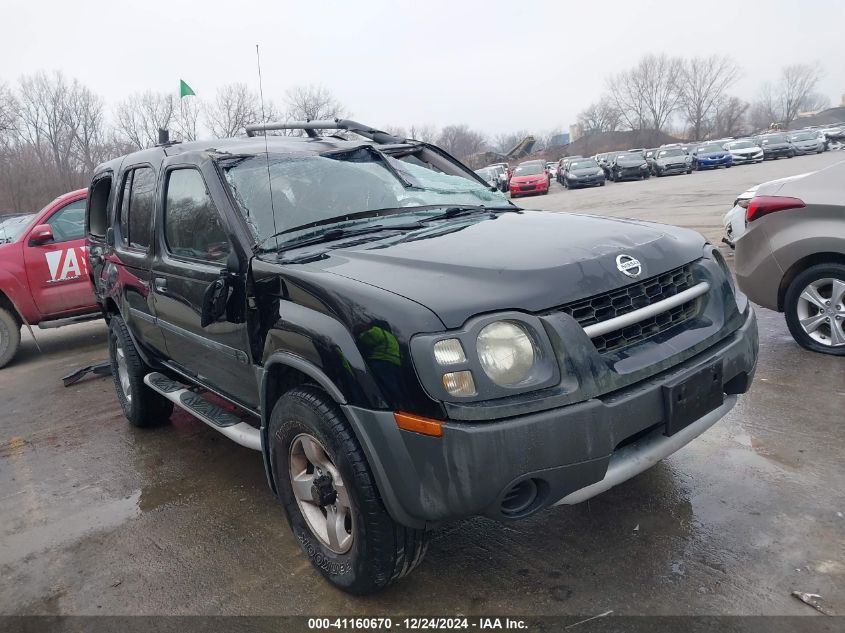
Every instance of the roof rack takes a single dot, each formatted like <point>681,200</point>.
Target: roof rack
<point>311,127</point>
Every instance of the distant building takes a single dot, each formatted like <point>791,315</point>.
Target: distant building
<point>575,132</point>
<point>559,139</point>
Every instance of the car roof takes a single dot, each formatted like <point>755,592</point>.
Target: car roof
<point>250,145</point>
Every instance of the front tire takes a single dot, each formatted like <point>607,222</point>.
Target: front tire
<point>10,337</point>
<point>141,405</point>
<point>330,497</point>
<point>814,306</point>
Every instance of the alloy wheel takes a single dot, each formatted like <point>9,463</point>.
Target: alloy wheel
<point>321,494</point>
<point>821,311</point>
<point>123,371</point>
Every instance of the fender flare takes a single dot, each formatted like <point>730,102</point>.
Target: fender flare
<point>309,369</point>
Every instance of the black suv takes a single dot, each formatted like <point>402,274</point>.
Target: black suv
<point>402,344</point>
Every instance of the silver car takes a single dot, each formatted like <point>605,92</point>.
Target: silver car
<point>791,257</point>
<point>808,142</point>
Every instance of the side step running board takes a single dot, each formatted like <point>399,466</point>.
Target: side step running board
<point>217,418</point>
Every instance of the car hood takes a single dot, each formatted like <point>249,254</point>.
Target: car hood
<point>746,150</point>
<point>810,141</point>
<point>587,171</point>
<point>713,154</point>
<point>775,145</point>
<point>664,160</point>
<point>531,261</point>
<point>630,163</point>
<point>531,178</point>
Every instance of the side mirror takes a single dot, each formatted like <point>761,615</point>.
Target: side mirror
<point>41,234</point>
<point>214,301</point>
<point>224,295</point>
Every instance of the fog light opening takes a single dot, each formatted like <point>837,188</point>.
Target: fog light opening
<point>523,498</point>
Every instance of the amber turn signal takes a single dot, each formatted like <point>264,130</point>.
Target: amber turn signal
<point>418,424</point>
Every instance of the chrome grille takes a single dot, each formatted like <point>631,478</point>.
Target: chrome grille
<point>634,297</point>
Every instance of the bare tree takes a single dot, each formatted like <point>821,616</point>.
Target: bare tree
<point>815,101</point>
<point>461,141</point>
<point>140,117</point>
<point>186,116</point>
<point>396,130</point>
<point>503,143</point>
<point>702,83</point>
<point>8,109</point>
<point>795,89</point>
<point>90,141</point>
<point>647,95</point>
<point>426,133</point>
<point>48,122</point>
<point>312,103</point>
<point>729,117</point>
<point>781,102</point>
<point>234,107</point>
<point>601,116</point>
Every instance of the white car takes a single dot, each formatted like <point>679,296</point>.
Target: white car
<point>734,220</point>
<point>490,175</point>
<point>552,169</point>
<point>745,151</point>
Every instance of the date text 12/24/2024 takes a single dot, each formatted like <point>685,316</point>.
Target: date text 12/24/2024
<point>416,624</point>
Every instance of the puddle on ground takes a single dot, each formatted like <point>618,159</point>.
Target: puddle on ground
<point>69,527</point>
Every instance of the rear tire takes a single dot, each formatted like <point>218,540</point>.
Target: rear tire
<point>828,337</point>
<point>10,336</point>
<point>364,551</point>
<point>141,405</point>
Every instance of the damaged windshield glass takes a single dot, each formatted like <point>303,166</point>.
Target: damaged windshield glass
<point>310,189</point>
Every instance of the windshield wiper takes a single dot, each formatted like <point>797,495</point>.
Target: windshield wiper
<point>455,211</point>
<point>373,213</point>
<point>336,234</point>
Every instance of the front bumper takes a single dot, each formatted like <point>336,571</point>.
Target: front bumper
<point>633,173</point>
<point>746,158</point>
<point>587,181</point>
<point>706,163</point>
<point>668,170</point>
<point>518,190</point>
<point>569,453</point>
<point>777,153</point>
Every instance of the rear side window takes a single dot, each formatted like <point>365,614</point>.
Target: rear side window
<point>141,207</point>
<point>136,207</point>
<point>192,224</point>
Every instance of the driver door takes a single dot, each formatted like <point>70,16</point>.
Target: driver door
<point>194,244</point>
<point>57,271</point>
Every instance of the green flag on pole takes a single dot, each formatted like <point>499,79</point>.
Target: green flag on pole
<point>185,89</point>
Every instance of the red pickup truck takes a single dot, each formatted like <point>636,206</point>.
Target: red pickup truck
<point>44,277</point>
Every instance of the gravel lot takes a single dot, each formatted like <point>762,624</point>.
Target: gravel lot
<point>97,517</point>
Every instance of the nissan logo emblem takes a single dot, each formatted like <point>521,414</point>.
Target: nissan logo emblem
<point>628,265</point>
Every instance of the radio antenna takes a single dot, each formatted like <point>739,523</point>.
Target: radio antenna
<point>266,149</point>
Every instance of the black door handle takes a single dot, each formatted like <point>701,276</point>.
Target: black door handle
<point>160,285</point>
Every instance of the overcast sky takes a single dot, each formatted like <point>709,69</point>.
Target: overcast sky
<point>498,66</point>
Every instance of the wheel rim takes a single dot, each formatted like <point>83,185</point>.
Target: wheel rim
<point>123,371</point>
<point>821,311</point>
<point>321,494</point>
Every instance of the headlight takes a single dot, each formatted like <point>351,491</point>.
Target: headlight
<point>573,176</point>
<point>644,166</point>
<point>506,352</point>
